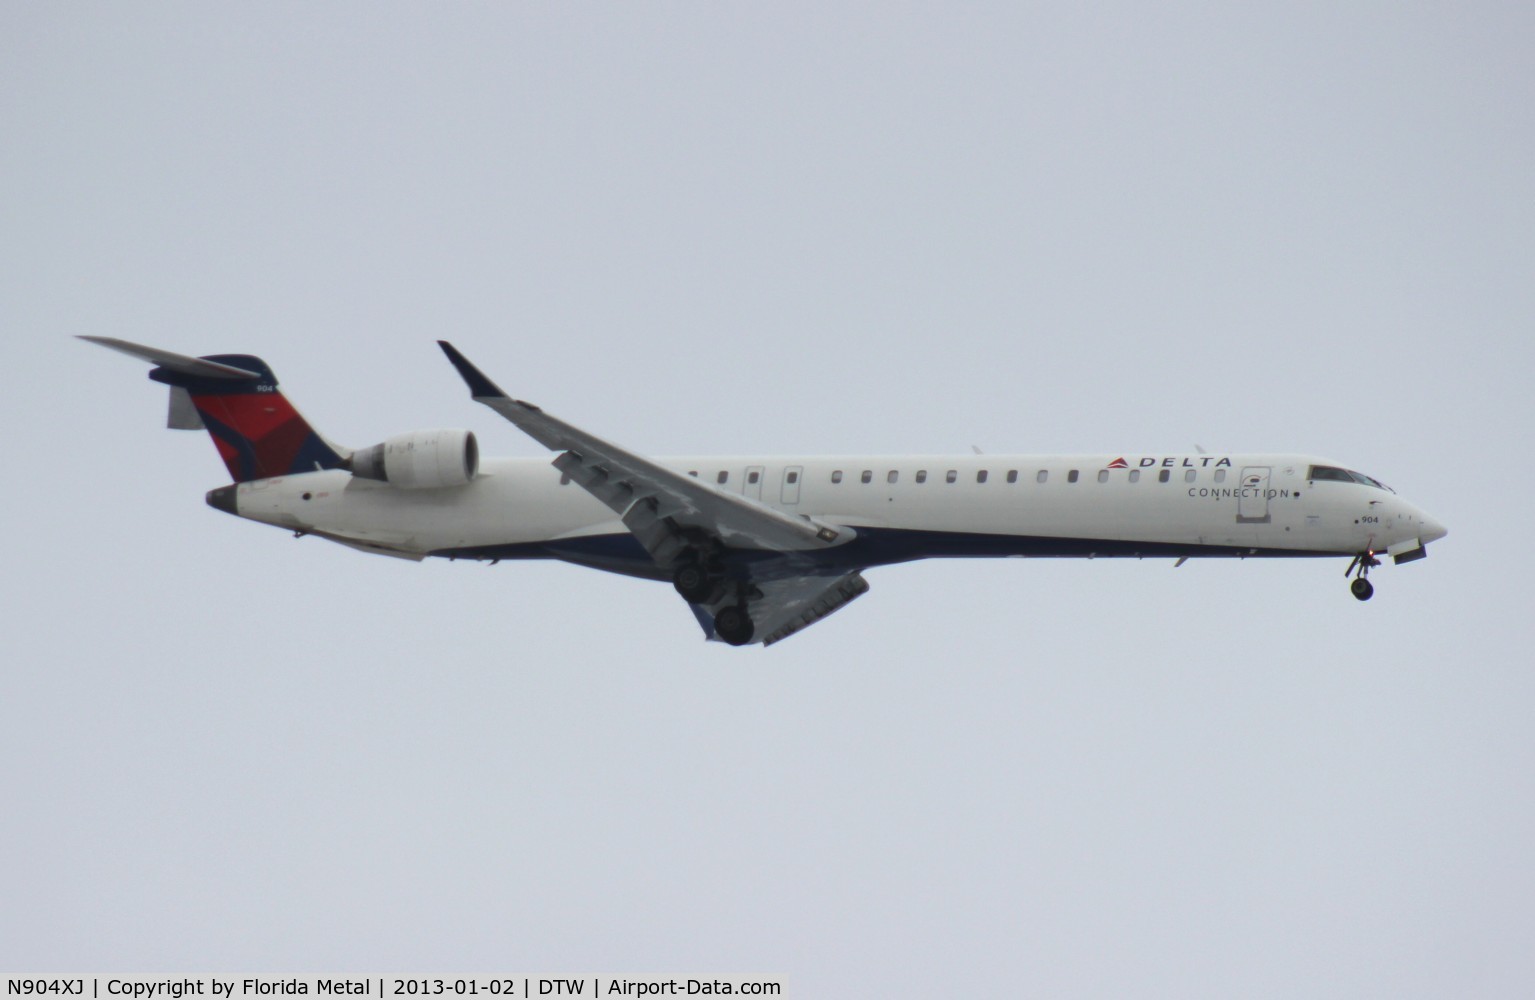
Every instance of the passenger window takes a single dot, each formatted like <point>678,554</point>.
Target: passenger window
<point>1071,476</point>
<point>1012,475</point>
<point>722,477</point>
<point>980,477</point>
<point>1220,475</point>
<point>891,476</point>
<point>1103,475</point>
<point>1135,475</point>
<point>921,475</point>
<point>1042,476</point>
<point>868,476</point>
<point>752,477</point>
<point>693,473</point>
<point>951,476</point>
<point>1188,477</point>
<point>836,477</point>
<point>794,477</point>
<point>1164,475</point>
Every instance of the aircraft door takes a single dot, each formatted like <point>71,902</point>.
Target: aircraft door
<point>1253,502</point>
<point>752,485</point>
<point>791,477</point>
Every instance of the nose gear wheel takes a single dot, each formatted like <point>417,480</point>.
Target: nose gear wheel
<point>1362,588</point>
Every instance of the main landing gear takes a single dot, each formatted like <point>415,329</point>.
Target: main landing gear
<point>734,625</point>
<point>1362,588</point>
<point>700,579</point>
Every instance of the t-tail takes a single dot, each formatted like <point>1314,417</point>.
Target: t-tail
<point>235,398</point>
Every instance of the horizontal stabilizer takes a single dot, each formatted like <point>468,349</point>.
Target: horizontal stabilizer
<point>174,362</point>
<point>235,398</point>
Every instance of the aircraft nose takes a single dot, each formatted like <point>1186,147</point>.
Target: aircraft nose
<point>1432,530</point>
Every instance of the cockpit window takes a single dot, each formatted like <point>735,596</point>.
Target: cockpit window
<point>1345,476</point>
<point>1361,478</point>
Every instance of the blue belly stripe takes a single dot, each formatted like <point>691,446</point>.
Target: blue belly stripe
<point>622,553</point>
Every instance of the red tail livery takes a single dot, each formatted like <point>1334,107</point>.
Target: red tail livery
<point>235,397</point>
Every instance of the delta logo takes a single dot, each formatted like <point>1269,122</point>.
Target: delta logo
<point>1183,461</point>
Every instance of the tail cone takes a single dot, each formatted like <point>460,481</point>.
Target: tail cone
<point>223,499</point>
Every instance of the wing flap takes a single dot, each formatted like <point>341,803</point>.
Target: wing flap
<point>660,538</point>
<point>787,606</point>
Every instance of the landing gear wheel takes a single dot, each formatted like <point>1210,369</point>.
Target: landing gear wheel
<point>1365,561</point>
<point>734,625</point>
<point>695,583</point>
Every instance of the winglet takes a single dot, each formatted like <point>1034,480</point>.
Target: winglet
<point>479,384</point>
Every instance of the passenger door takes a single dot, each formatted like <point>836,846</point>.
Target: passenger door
<point>791,477</point>
<point>1253,502</point>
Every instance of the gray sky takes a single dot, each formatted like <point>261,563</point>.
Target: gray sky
<point>802,229</point>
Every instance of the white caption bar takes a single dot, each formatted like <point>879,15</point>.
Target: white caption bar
<point>391,987</point>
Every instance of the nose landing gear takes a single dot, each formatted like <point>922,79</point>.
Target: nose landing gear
<point>1361,588</point>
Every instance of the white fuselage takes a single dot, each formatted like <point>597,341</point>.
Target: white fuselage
<point>902,507</point>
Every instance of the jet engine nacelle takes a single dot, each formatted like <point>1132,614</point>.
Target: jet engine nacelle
<point>420,460</point>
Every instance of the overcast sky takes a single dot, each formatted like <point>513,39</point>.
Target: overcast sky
<point>810,228</point>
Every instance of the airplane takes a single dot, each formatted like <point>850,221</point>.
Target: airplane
<point>760,547</point>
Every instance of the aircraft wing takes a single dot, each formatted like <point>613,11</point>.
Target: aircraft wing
<point>625,481</point>
<point>671,513</point>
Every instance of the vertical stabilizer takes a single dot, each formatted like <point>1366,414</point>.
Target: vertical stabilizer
<point>235,398</point>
